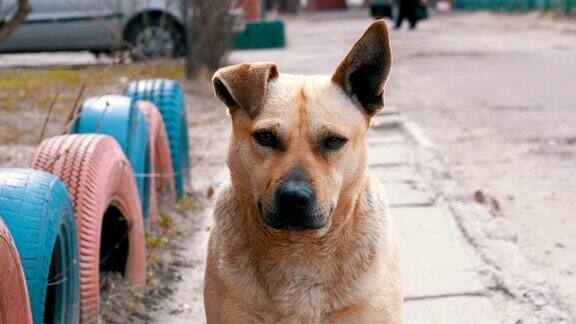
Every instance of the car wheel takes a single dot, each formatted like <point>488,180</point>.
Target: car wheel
<point>14,302</point>
<point>168,96</point>
<point>108,212</point>
<point>38,211</point>
<point>156,37</point>
<point>119,117</point>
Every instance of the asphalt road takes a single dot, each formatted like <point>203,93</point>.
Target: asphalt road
<point>497,94</point>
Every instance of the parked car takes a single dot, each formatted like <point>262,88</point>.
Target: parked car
<point>383,9</point>
<point>149,28</point>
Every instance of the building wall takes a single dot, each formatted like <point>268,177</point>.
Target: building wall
<point>325,4</point>
<point>251,8</point>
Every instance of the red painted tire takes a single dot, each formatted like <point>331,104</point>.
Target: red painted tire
<point>102,186</point>
<point>162,181</point>
<point>14,302</point>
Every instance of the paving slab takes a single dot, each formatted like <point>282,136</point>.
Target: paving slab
<point>433,261</point>
<point>422,283</point>
<point>451,310</point>
<point>441,284</point>
<point>379,138</point>
<point>389,121</point>
<point>435,252</point>
<point>409,194</point>
<point>388,155</point>
<point>399,173</point>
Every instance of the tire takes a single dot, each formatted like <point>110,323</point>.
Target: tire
<point>119,117</point>
<point>155,36</point>
<point>102,187</point>
<point>38,211</point>
<point>162,180</point>
<point>14,302</point>
<point>168,96</point>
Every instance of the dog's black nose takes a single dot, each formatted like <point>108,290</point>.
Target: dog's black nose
<point>295,196</point>
<point>294,204</point>
<point>294,207</point>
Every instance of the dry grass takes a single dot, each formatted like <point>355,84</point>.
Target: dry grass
<point>26,94</point>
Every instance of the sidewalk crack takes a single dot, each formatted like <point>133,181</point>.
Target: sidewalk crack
<point>449,295</point>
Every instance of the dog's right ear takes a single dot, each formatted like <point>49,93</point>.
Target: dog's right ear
<point>364,71</point>
<point>244,85</point>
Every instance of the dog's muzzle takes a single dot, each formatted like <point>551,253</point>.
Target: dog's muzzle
<point>294,204</point>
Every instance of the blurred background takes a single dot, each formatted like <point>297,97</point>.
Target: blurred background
<point>492,83</point>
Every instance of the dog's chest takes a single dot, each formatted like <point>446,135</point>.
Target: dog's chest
<point>307,289</point>
<point>311,292</point>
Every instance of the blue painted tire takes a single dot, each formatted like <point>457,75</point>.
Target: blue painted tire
<point>168,96</point>
<point>39,213</point>
<point>119,117</point>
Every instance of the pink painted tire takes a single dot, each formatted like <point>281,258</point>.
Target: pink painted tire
<point>108,210</point>
<point>162,181</point>
<point>14,302</point>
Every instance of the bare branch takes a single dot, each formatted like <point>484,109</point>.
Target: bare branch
<point>209,32</point>
<point>9,26</point>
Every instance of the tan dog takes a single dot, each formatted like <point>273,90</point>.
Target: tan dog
<point>302,233</point>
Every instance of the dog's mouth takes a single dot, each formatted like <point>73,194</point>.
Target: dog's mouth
<point>289,226</point>
<point>287,220</point>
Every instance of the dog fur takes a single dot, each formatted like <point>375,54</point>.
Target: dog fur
<point>347,270</point>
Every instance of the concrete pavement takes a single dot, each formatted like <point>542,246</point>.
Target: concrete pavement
<point>459,264</point>
<point>440,281</point>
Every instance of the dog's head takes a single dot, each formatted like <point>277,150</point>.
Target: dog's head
<point>298,150</point>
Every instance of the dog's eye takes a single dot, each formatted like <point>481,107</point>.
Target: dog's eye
<point>334,142</point>
<point>266,138</point>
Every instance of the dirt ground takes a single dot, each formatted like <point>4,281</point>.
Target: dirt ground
<point>26,94</point>
<point>175,268</point>
<point>177,252</point>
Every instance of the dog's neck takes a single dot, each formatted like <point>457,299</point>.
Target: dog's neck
<point>286,263</point>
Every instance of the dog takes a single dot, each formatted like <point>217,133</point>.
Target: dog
<point>302,231</point>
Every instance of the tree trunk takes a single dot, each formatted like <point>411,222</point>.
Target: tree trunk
<point>191,64</point>
<point>209,31</point>
<point>9,26</point>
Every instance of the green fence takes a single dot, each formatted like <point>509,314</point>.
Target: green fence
<point>568,7</point>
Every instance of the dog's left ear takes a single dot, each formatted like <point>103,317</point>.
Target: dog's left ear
<point>244,85</point>
<point>364,71</point>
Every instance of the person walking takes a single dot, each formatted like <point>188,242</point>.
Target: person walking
<point>408,10</point>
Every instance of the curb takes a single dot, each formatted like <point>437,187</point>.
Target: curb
<point>526,296</point>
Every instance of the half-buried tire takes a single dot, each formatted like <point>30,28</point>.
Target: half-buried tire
<point>38,211</point>
<point>14,303</point>
<point>162,178</point>
<point>108,212</point>
<point>119,117</point>
<point>168,96</point>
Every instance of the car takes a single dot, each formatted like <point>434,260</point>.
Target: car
<point>148,28</point>
<point>383,9</point>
